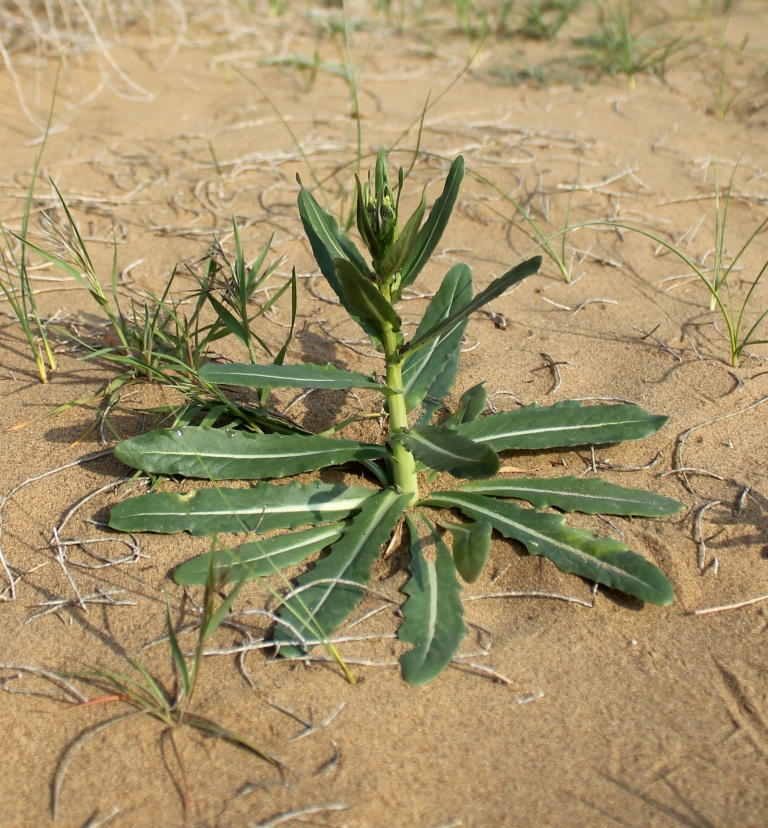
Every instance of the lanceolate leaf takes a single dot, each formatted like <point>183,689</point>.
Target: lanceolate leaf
<point>439,389</point>
<point>433,611</point>
<point>259,558</point>
<point>430,234</point>
<point>264,507</point>
<point>471,545</point>
<point>318,610</point>
<point>471,406</point>
<point>496,288</point>
<point>363,222</point>
<point>604,560</point>
<point>563,424</point>
<point>422,368</point>
<point>220,454</point>
<point>573,494</point>
<point>443,449</point>
<point>285,376</point>
<point>329,243</point>
<point>364,298</point>
<point>327,240</point>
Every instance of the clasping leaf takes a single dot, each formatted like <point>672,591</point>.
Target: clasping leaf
<point>496,288</point>
<point>444,449</point>
<point>471,545</point>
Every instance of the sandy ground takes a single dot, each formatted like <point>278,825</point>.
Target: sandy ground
<point>618,714</point>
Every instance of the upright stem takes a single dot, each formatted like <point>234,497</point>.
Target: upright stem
<point>403,463</point>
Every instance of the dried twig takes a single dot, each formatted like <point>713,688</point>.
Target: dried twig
<point>103,597</point>
<point>726,607</point>
<point>554,366</point>
<point>34,479</point>
<point>74,748</point>
<point>309,726</point>
<point>593,302</point>
<point>680,442</point>
<point>96,821</point>
<point>661,343</point>
<point>569,599</point>
<point>700,534</point>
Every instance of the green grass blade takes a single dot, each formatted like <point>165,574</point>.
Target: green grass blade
<point>422,368</point>
<point>604,560</point>
<point>430,234</point>
<point>496,288</point>
<point>208,726</point>
<point>178,658</point>
<point>264,507</point>
<point>322,607</point>
<point>563,424</point>
<point>573,494</point>
<point>222,454</point>
<point>280,358</point>
<point>444,449</point>
<point>433,612</point>
<point>307,375</point>
<point>232,324</point>
<point>211,624</point>
<point>471,547</point>
<point>258,559</point>
<point>152,687</point>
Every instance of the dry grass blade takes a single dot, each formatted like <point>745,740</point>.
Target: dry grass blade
<point>75,747</point>
<point>700,537</point>
<point>569,599</point>
<point>102,597</point>
<point>19,486</point>
<point>279,819</point>
<point>96,821</point>
<point>55,678</point>
<point>678,466</point>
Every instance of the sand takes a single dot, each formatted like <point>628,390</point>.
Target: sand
<point>613,714</point>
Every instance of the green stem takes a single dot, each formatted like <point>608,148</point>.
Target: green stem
<point>403,462</point>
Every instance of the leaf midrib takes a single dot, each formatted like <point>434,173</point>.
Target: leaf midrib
<point>560,493</point>
<point>482,438</point>
<point>145,453</point>
<point>275,509</point>
<point>385,505</point>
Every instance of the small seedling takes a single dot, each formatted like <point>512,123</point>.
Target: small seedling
<point>145,695</point>
<point>718,285</point>
<point>357,521</point>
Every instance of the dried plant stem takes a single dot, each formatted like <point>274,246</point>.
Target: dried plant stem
<point>680,442</point>
<point>18,487</point>
<point>726,607</point>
